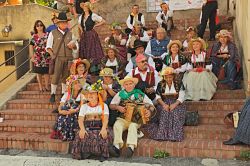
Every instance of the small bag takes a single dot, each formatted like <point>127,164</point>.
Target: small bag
<point>232,119</point>
<point>192,118</point>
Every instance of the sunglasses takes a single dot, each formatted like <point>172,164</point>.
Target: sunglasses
<point>39,25</point>
<point>145,61</point>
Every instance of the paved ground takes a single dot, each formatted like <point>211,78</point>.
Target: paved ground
<point>33,158</point>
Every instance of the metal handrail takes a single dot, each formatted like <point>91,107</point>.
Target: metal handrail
<point>14,70</point>
<point>14,55</point>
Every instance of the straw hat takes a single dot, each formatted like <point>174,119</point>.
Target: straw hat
<point>224,33</point>
<point>111,47</point>
<point>129,78</point>
<point>178,42</point>
<point>89,5</point>
<point>77,62</point>
<point>167,71</point>
<point>190,29</point>
<point>200,40</point>
<point>106,72</point>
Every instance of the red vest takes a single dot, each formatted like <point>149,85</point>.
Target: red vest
<point>150,78</point>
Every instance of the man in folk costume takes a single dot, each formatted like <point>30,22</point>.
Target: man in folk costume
<point>61,51</point>
<point>135,16</point>
<point>148,77</point>
<point>136,109</point>
<point>157,47</point>
<point>165,17</point>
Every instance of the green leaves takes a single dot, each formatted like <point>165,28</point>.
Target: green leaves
<point>160,154</point>
<point>245,155</point>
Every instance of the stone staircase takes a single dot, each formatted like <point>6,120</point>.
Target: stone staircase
<point>28,121</point>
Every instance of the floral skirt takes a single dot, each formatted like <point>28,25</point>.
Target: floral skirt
<point>67,125</point>
<point>169,125</point>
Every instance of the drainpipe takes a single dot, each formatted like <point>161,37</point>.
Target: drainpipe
<point>17,43</point>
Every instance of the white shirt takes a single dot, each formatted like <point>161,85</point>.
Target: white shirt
<point>185,44</point>
<point>130,65</point>
<point>131,26</point>
<point>143,76</point>
<point>51,39</point>
<point>181,69</point>
<point>159,19</point>
<point>117,99</point>
<point>87,110</point>
<point>172,90</point>
<point>144,38</point>
<point>94,17</point>
<point>114,63</point>
<point>201,58</point>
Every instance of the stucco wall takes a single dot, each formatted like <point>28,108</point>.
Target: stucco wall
<point>242,35</point>
<point>118,10</point>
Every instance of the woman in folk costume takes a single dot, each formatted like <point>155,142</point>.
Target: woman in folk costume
<point>199,81</point>
<point>92,138</point>
<point>175,59</point>
<point>111,85</point>
<point>171,111</point>
<point>90,45</point>
<point>79,70</point>
<point>68,109</point>
<point>128,102</point>
<point>190,34</point>
<point>119,40</point>
<point>111,60</point>
<point>225,55</point>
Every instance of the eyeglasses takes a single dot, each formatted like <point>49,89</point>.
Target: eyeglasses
<point>39,25</point>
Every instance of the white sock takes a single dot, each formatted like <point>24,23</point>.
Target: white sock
<point>117,146</point>
<point>132,147</point>
<point>63,88</point>
<point>53,89</point>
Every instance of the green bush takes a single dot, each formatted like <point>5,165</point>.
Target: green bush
<point>245,155</point>
<point>160,154</point>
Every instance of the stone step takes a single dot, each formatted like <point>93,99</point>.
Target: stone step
<point>212,117</point>
<point>35,87</point>
<point>27,126</point>
<point>31,104</point>
<point>32,141</point>
<point>28,114</point>
<point>35,94</point>
<point>215,105</point>
<point>190,148</point>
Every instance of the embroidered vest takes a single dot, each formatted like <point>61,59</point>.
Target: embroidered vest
<point>89,23</point>
<point>167,61</point>
<point>150,78</point>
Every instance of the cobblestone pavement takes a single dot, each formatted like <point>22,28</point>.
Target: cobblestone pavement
<point>34,158</point>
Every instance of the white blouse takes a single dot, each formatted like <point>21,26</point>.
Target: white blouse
<point>64,98</point>
<point>200,58</point>
<point>181,69</point>
<point>87,110</point>
<point>172,90</point>
<point>94,17</point>
<point>114,63</point>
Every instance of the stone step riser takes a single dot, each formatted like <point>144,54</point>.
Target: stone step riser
<point>60,147</point>
<point>31,106</point>
<point>34,117</point>
<point>30,129</point>
<point>189,132</point>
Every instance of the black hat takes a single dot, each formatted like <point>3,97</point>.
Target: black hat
<point>62,17</point>
<point>138,44</point>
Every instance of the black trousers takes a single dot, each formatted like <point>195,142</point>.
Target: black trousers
<point>208,12</point>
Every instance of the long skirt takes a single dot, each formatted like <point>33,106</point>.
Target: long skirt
<point>67,125</point>
<point>242,133</point>
<point>199,85</point>
<point>92,144</point>
<point>91,48</point>
<point>169,125</point>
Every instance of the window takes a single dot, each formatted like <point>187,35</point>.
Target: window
<point>8,55</point>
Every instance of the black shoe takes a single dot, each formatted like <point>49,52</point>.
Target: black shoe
<point>102,159</point>
<point>129,152</point>
<point>231,141</point>
<point>211,39</point>
<point>114,152</point>
<point>85,156</point>
<point>52,98</point>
